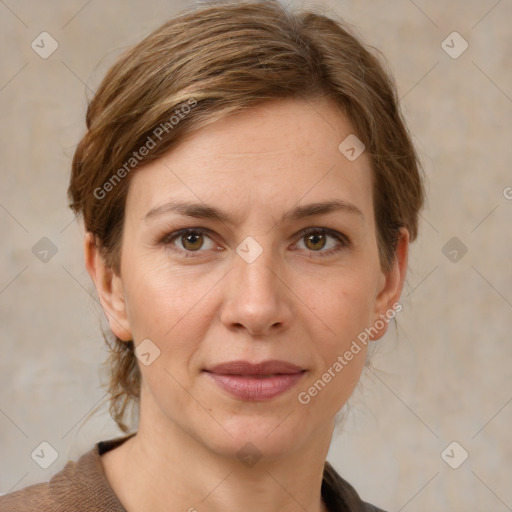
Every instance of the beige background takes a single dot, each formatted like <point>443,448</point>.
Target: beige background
<point>445,376</point>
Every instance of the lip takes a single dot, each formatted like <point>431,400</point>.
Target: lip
<point>255,381</point>
<point>263,368</point>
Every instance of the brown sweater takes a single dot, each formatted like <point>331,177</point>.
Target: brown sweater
<point>82,486</point>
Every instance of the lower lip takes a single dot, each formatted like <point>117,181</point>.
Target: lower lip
<point>256,388</point>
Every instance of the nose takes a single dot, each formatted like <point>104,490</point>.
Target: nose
<point>256,296</point>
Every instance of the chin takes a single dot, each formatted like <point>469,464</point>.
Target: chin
<point>267,436</point>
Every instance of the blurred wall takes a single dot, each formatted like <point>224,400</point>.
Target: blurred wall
<point>443,377</point>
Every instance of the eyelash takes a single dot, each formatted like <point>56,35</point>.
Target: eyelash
<point>345,243</point>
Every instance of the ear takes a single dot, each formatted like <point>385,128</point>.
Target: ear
<point>390,287</point>
<point>109,287</point>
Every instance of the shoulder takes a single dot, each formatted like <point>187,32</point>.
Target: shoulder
<point>339,495</point>
<point>80,485</point>
<point>35,498</point>
<point>371,508</point>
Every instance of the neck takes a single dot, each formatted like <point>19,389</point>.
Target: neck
<point>166,469</point>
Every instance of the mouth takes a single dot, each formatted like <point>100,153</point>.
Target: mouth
<point>255,381</point>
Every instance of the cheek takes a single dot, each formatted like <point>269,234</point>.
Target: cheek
<point>342,304</point>
<point>340,310</point>
<point>159,297</point>
<point>168,311</point>
<point>165,304</point>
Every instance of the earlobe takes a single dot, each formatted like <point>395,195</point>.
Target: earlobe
<point>390,288</point>
<point>109,287</point>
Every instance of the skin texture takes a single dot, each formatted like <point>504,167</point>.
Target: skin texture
<point>290,303</point>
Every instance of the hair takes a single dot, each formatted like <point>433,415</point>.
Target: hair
<point>212,61</point>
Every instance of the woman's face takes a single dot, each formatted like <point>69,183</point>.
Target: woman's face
<point>247,283</point>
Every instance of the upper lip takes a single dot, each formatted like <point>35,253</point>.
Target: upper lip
<point>246,368</point>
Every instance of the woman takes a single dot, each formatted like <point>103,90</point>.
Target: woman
<point>249,191</point>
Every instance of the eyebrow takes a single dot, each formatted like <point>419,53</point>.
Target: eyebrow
<point>204,211</point>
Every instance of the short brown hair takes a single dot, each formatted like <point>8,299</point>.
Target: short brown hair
<point>214,60</point>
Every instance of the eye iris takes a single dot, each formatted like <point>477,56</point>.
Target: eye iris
<point>315,237</point>
<point>194,241</point>
<point>191,239</point>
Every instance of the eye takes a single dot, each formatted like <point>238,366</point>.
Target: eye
<point>317,239</point>
<point>189,240</point>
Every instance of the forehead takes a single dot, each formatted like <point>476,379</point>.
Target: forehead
<point>268,158</point>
